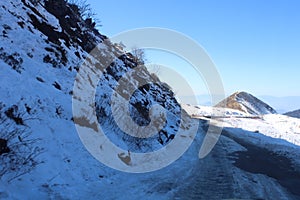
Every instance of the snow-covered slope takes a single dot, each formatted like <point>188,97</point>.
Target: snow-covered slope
<point>295,113</point>
<point>247,103</point>
<point>205,111</point>
<point>42,47</point>
<point>272,125</point>
<point>268,144</point>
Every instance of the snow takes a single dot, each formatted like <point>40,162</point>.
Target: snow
<point>272,125</point>
<point>202,111</point>
<point>67,169</point>
<point>275,126</point>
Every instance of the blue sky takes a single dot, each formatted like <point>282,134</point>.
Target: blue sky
<point>254,44</point>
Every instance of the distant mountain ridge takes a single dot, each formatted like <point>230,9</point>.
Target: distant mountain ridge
<point>282,104</point>
<point>247,103</point>
<point>295,113</point>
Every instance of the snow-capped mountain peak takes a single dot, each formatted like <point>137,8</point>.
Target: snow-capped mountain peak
<point>247,103</point>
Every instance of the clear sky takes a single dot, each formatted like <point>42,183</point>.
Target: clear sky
<point>255,44</point>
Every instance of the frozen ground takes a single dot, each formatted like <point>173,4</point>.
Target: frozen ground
<point>66,170</point>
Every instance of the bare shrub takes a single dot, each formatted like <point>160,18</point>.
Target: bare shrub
<point>21,152</point>
<point>86,11</point>
<point>139,56</point>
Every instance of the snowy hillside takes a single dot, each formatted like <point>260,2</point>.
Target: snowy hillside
<point>43,45</point>
<point>197,111</point>
<point>247,103</point>
<point>295,113</point>
<point>272,125</point>
<point>43,48</point>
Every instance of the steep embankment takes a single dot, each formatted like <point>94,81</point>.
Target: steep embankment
<point>43,45</point>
